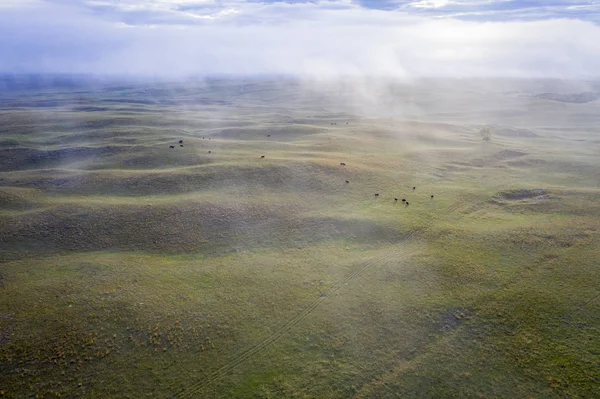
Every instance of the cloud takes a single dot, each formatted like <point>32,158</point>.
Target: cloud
<point>504,10</point>
<point>431,3</point>
<point>319,39</point>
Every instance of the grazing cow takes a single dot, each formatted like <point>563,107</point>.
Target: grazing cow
<point>347,181</point>
<point>262,156</point>
<point>180,141</point>
<point>431,195</point>
<point>414,188</point>
<point>268,135</point>
<point>377,195</point>
<point>202,137</point>
<point>403,200</point>
<point>342,163</point>
<point>395,199</point>
<point>171,146</point>
<point>407,203</point>
<point>209,152</point>
<point>181,145</point>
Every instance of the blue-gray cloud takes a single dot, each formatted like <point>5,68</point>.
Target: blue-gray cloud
<point>195,11</point>
<point>317,38</point>
<point>508,10</point>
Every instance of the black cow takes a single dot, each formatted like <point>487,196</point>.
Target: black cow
<point>414,188</point>
<point>377,194</point>
<point>347,181</point>
<point>209,152</point>
<point>343,163</point>
<point>431,195</point>
<point>395,199</point>
<point>171,146</point>
<point>407,204</point>
<point>180,141</point>
<point>403,200</point>
<point>262,156</point>
<point>181,145</point>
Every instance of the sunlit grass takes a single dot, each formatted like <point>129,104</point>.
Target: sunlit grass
<point>149,271</point>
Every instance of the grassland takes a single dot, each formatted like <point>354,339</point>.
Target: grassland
<point>130,269</point>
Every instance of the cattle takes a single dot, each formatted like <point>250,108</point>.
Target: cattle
<point>407,203</point>
<point>403,200</point>
<point>180,141</point>
<point>431,195</point>
<point>209,152</point>
<point>181,145</point>
<point>171,146</point>
<point>343,163</point>
<point>414,188</point>
<point>377,194</point>
<point>395,199</point>
<point>262,156</point>
<point>347,181</point>
<point>268,135</point>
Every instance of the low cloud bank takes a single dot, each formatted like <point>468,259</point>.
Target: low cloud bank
<point>318,41</point>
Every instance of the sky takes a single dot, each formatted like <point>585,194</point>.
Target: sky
<point>316,38</point>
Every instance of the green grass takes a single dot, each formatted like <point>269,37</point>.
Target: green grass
<point>129,269</point>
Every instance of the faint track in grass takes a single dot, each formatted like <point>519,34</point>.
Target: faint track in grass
<point>259,347</point>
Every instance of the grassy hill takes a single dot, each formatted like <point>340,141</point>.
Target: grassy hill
<point>132,269</point>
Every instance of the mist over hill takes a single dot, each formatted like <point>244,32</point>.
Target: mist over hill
<point>270,236</point>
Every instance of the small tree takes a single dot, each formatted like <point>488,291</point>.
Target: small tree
<point>486,133</point>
